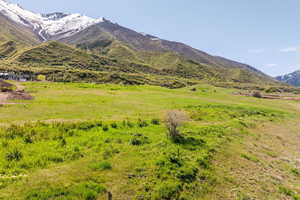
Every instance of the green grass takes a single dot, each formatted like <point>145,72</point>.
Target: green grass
<point>79,101</point>
<point>79,141</point>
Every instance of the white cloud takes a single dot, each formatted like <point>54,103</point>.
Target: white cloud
<point>290,49</point>
<point>256,51</point>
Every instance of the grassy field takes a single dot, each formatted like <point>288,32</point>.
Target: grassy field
<point>84,141</point>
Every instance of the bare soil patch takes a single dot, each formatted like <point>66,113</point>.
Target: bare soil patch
<point>7,93</point>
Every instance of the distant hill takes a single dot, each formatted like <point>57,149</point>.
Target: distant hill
<point>292,78</point>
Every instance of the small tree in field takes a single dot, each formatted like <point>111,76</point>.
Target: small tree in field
<point>174,120</point>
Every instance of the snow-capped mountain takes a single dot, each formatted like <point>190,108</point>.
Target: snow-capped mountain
<point>292,78</point>
<point>23,26</point>
<point>47,26</point>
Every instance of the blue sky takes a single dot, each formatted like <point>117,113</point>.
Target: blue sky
<point>264,34</point>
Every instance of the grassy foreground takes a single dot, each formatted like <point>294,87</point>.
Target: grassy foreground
<point>84,141</point>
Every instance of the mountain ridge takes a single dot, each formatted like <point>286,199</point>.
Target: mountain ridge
<point>101,37</point>
<point>291,78</point>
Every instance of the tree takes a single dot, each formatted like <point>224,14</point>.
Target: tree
<point>174,120</point>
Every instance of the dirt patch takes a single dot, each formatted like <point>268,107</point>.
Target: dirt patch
<point>7,93</point>
<point>19,95</point>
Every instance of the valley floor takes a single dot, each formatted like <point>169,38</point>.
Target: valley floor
<point>83,141</point>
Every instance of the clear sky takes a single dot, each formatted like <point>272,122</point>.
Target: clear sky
<point>264,34</point>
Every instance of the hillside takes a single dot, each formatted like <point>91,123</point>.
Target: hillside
<point>107,32</point>
<point>11,31</point>
<point>119,58</point>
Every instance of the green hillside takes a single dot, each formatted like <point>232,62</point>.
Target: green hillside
<point>119,58</point>
<point>11,31</point>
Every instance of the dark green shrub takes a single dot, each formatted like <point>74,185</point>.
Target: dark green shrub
<point>14,155</point>
<point>28,139</point>
<point>139,139</point>
<point>187,174</point>
<point>155,121</point>
<point>86,125</point>
<point>296,172</point>
<point>130,124</point>
<point>204,162</point>
<point>142,123</point>
<point>135,141</point>
<point>114,125</point>
<point>105,128</point>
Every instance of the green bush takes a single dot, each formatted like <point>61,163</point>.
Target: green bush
<point>139,139</point>
<point>167,191</point>
<point>187,174</point>
<point>105,128</point>
<point>114,125</point>
<point>14,155</point>
<point>155,121</point>
<point>142,123</point>
<point>28,139</point>
<point>296,172</point>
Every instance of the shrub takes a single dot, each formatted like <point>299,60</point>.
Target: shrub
<point>142,123</point>
<point>15,154</point>
<point>174,120</point>
<point>204,162</point>
<point>28,139</point>
<point>155,121</point>
<point>114,125</point>
<point>130,124</point>
<point>296,172</point>
<point>105,128</point>
<point>187,174</point>
<point>139,139</point>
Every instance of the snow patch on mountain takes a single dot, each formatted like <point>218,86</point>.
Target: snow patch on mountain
<point>47,25</point>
